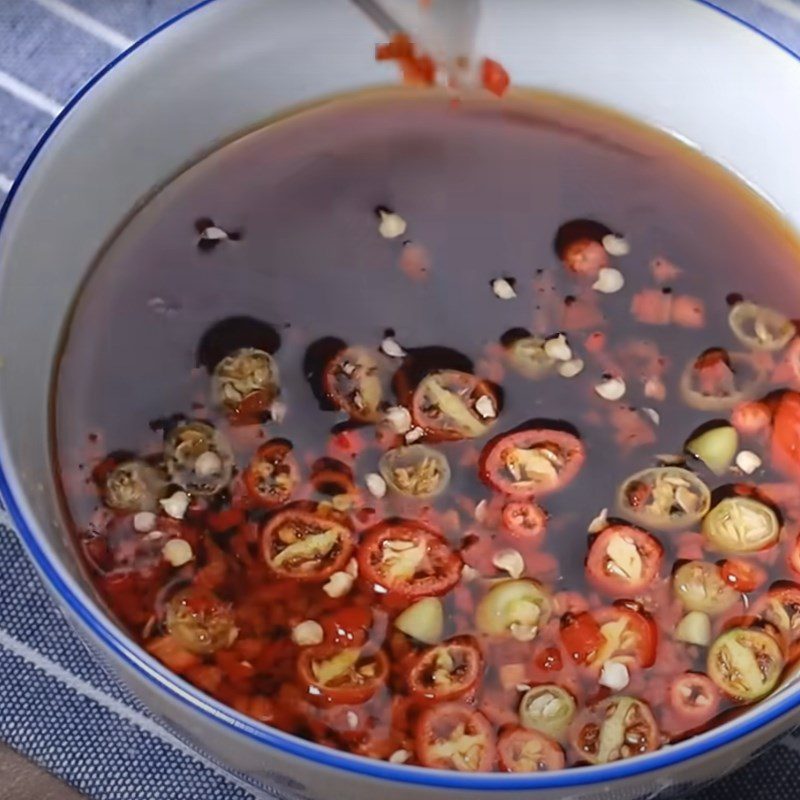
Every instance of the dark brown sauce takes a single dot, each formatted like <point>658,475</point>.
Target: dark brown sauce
<point>486,189</point>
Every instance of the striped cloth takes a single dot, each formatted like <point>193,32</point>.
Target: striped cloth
<point>48,680</point>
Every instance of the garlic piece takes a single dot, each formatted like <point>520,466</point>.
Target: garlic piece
<point>654,389</point>
<point>609,281</point>
<point>694,628</point>
<point>624,557</point>
<point>399,418</point>
<point>376,485</point>
<point>571,368</point>
<point>342,502</point>
<point>176,504</point>
<point>278,410</point>
<point>523,633</point>
<point>423,621</point>
<point>616,245</point>
<point>391,225</point>
<point>207,464</point>
<point>747,461</point>
<point>352,568</point>
<point>414,435</point>
<point>653,415</point>
<point>503,289</point>
<point>399,757</point>
<point>485,407</point>
<point>352,720</point>
<point>390,347</point>
<point>308,633</point>
<point>558,349</point>
<point>599,523</point>
<point>177,552</point>
<point>509,561</point>
<point>339,584</point>
<point>614,675</point>
<point>469,574</point>
<point>481,509</point>
<point>214,234</point>
<point>144,522</point>
<point>611,389</point>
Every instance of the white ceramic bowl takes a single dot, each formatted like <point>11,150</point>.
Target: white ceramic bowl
<point>681,65</point>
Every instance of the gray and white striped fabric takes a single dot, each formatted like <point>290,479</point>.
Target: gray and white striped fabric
<point>57,705</point>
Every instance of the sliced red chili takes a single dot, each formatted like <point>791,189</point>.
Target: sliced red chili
<point>305,545</point>
<point>786,435</point>
<point>623,560</point>
<point>580,635</point>
<point>794,555</point>
<point>447,671</point>
<point>694,697</point>
<point>628,633</point>
<point>200,621</point>
<point>273,474</point>
<point>454,736</point>
<point>523,750</point>
<point>744,576</point>
<point>332,477</point>
<point>525,520</point>
<point>407,559</point>
<point>531,462</point>
<point>450,405</point>
<point>352,383</point>
<point>494,77</point>
<point>780,607</point>
<point>333,675</point>
<point>348,625</point>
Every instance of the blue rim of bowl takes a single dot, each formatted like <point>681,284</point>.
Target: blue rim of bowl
<point>217,713</point>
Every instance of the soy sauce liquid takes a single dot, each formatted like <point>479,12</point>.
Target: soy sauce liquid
<point>484,187</point>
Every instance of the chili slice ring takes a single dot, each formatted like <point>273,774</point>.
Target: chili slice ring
<point>701,586</point>
<point>722,399</point>
<point>134,486</point>
<point>623,560</point>
<point>452,405</point>
<point>335,676</point>
<point>531,462</point>
<point>415,471</point>
<point>780,607</point>
<point>549,709</point>
<point>759,327</point>
<point>246,377</point>
<point>745,663</point>
<point>741,525</point>
<point>453,736</point>
<point>665,498</point>
<point>198,457</point>
<point>273,474</point>
<point>694,697</point>
<point>447,671</point>
<point>305,545</point>
<point>524,750</point>
<point>352,383</point>
<point>617,728</point>
<point>408,560</point>
<point>517,608</point>
<point>200,622</point>
<point>526,521</point>
<point>628,634</point>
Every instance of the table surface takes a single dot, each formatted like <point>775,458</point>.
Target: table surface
<point>23,780</point>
